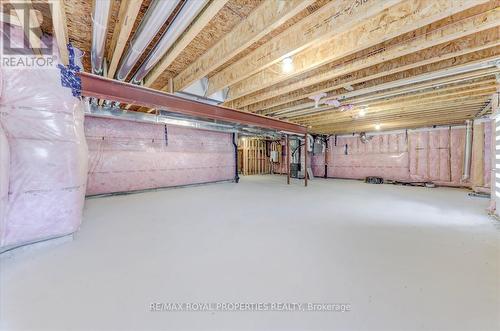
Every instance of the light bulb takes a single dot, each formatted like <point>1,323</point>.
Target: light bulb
<point>287,64</point>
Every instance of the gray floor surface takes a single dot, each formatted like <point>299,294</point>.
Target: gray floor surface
<point>403,258</point>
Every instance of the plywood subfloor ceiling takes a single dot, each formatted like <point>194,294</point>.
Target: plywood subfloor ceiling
<point>376,64</point>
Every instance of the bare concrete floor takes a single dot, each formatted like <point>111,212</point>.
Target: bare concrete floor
<point>405,258</point>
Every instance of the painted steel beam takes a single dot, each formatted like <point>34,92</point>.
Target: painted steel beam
<point>104,88</point>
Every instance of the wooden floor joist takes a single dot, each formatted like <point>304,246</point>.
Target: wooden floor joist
<point>204,18</point>
<point>371,114</point>
<point>420,110</point>
<point>129,9</point>
<point>60,28</point>
<point>264,19</point>
<point>443,94</point>
<point>402,79</point>
<point>385,71</point>
<point>388,24</point>
<point>334,18</point>
<point>410,94</point>
<point>448,42</point>
<point>401,62</point>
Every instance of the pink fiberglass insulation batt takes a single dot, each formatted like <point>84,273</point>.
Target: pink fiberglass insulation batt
<point>420,155</point>
<point>128,156</point>
<point>437,155</point>
<point>47,170</point>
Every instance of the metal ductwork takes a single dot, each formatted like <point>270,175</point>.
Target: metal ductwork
<point>468,150</point>
<point>166,117</point>
<point>158,13</point>
<point>100,17</point>
<point>186,15</point>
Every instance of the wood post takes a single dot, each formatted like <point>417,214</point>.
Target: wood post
<point>287,159</point>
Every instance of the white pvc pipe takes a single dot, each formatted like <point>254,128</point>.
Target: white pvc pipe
<point>99,33</point>
<point>158,13</point>
<point>187,14</point>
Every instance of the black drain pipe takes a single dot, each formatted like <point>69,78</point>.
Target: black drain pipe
<point>326,156</point>
<point>236,177</point>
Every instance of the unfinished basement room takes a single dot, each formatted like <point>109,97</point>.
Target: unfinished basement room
<point>250,165</point>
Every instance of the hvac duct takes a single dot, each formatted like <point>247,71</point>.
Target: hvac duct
<point>99,33</point>
<point>468,150</point>
<point>189,11</point>
<point>165,117</point>
<point>158,13</point>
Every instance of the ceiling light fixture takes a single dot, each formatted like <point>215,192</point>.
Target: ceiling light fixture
<point>287,64</point>
<point>377,126</point>
<point>362,113</point>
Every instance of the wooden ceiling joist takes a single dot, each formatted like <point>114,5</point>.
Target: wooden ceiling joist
<point>454,40</point>
<point>411,62</point>
<point>453,106</point>
<point>457,119</point>
<point>441,94</point>
<point>377,72</point>
<point>129,9</point>
<point>333,115</point>
<point>60,28</point>
<point>332,19</point>
<point>464,98</point>
<point>436,58</point>
<point>382,91</point>
<point>394,21</point>
<point>429,115</point>
<point>264,19</point>
<point>399,80</point>
<point>409,114</point>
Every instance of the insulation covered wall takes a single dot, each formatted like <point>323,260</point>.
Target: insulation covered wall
<point>418,155</point>
<point>128,156</point>
<point>382,154</point>
<point>437,155</point>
